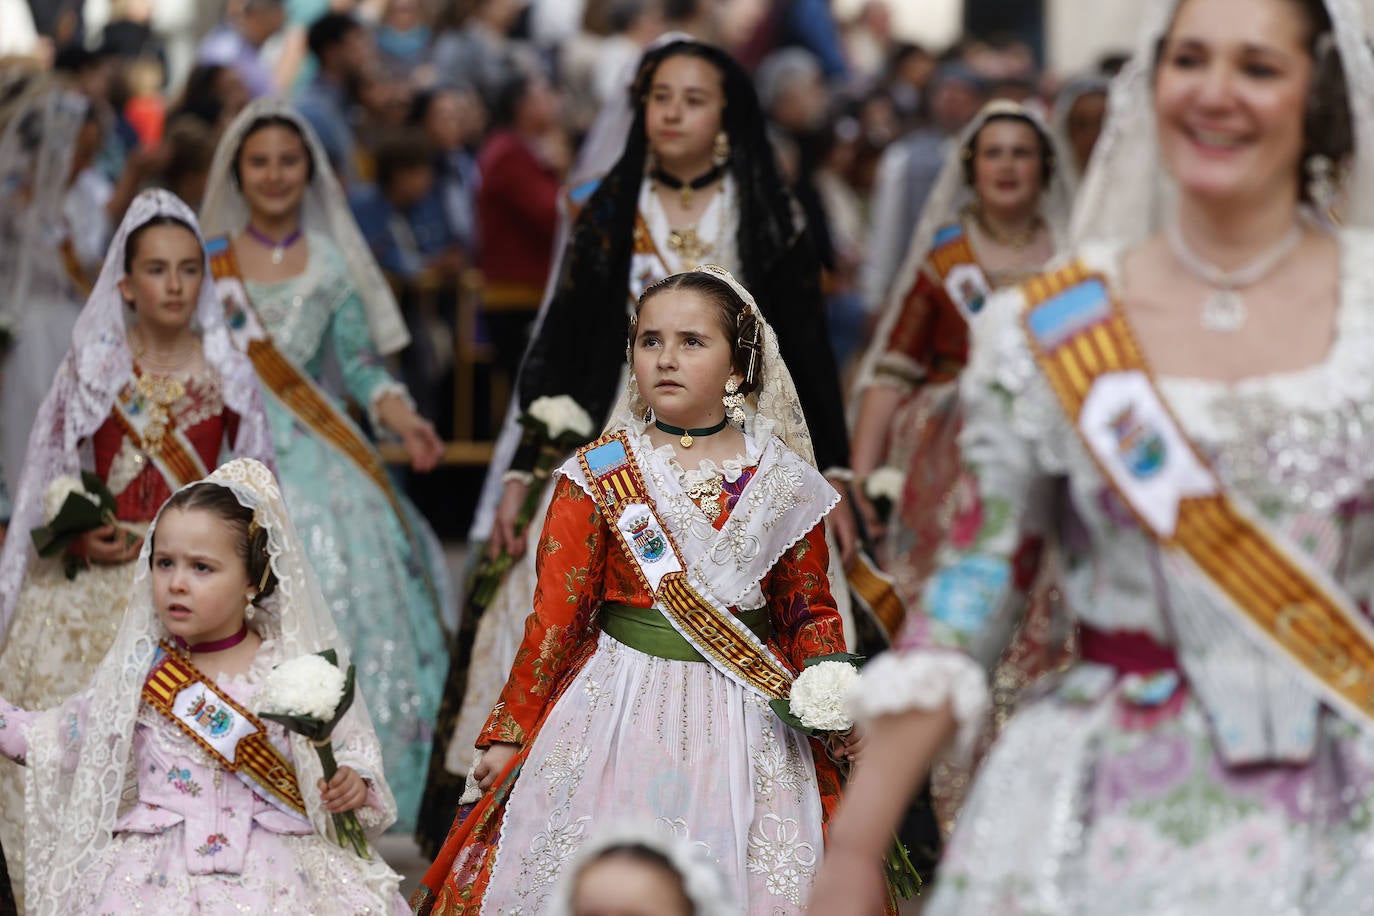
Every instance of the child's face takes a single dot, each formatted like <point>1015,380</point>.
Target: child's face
<point>274,169</point>
<point>200,582</point>
<point>682,358</point>
<point>621,886</point>
<point>164,280</point>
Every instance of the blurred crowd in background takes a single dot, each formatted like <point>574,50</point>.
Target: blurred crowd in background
<point>456,124</point>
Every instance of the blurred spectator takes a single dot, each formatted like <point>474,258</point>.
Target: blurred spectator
<point>60,21</point>
<point>213,95</point>
<point>144,108</point>
<point>190,145</point>
<point>833,151</point>
<point>129,33</point>
<point>792,90</point>
<point>387,209</point>
<point>908,74</point>
<point>93,74</point>
<point>18,37</point>
<point>343,51</point>
<point>474,48</point>
<point>402,219</point>
<point>454,121</point>
<point>805,23</point>
<point>908,170</point>
<point>632,25</point>
<point>1079,111</point>
<point>239,41</point>
<point>522,165</point>
<point>869,42</point>
<point>403,38</point>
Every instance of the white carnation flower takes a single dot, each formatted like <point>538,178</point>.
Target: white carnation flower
<point>884,483</point>
<point>561,414</point>
<point>818,696</point>
<point>56,496</point>
<point>305,686</point>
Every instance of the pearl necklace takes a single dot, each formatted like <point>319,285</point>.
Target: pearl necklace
<point>1224,310</point>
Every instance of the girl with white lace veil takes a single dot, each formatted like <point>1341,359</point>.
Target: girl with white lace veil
<point>997,213</point>
<point>1194,760</point>
<point>151,341</point>
<point>316,312</point>
<point>52,235</point>
<point>130,806</point>
<point>610,708</point>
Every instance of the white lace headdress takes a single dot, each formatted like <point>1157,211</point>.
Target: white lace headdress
<point>36,150</point>
<point>80,772</point>
<point>324,211</point>
<point>948,198</point>
<point>1126,194</point>
<point>702,882</point>
<point>97,368</point>
<point>774,401</point>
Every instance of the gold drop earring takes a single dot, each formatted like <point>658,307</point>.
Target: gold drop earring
<point>733,401</point>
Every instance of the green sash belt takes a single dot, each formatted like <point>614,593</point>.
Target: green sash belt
<point>648,631</point>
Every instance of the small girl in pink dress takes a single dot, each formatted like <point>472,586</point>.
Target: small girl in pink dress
<point>158,788</point>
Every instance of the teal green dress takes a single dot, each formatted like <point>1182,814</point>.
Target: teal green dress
<point>382,572</point>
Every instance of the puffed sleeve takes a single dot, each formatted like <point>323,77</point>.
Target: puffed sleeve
<point>967,611</point>
<point>929,339</point>
<point>801,608</point>
<point>570,568</point>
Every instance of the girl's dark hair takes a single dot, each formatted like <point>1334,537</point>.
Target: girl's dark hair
<point>1047,163</point>
<point>1328,125</point>
<point>738,322</point>
<point>221,502</point>
<point>646,855</point>
<point>164,219</point>
<point>262,123</point>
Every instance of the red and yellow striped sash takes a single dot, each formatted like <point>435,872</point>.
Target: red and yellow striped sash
<point>1084,345</point>
<point>252,757</point>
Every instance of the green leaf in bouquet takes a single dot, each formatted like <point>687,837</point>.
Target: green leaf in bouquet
<point>93,485</point>
<point>309,726</point>
<point>77,516</point>
<point>783,709</point>
<point>848,657</point>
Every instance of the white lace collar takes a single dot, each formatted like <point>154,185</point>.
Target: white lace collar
<point>729,470</point>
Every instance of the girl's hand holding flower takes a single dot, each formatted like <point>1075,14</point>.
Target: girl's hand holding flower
<point>347,791</point>
<point>108,545</point>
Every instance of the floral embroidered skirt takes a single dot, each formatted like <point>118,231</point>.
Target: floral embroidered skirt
<point>149,873</point>
<point>1103,806</point>
<point>676,744</point>
<point>61,630</point>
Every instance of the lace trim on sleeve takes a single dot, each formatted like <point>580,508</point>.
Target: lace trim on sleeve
<point>897,682</point>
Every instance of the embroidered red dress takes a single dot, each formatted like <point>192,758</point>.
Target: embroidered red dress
<point>607,730</point>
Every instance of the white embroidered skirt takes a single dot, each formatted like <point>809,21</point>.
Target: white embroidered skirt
<point>676,744</point>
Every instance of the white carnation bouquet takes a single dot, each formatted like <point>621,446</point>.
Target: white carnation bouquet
<point>73,506</point>
<point>558,425</point>
<point>816,705</point>
<point>309,695</point>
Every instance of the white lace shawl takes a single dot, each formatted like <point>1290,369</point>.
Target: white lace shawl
<point>79,776</point>
<point>90,378</point>
<point>324,211</point>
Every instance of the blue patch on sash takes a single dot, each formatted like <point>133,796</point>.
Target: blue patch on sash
<point>947,234</point>
<point>217,245</point>
<point>607,457</point>
<point>1065,314</point>
<point>964,595</point>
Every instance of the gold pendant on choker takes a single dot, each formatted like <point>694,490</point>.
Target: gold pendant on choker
<point>686,440</point>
